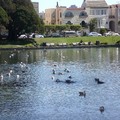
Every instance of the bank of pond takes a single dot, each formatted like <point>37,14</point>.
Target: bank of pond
<point>69,42</point>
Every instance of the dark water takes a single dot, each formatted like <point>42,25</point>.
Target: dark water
<point>28,91</point>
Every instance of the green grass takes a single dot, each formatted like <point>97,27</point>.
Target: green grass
<point>11,46</point>
<point>108,40</point>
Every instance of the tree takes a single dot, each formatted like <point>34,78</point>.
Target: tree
<point>42,27</point>
<point>3,19</point>
<point>60,28</point>
<point>24,21</point>
<point>102,31</point>
<point>22,17</point>
<point>7,5</point>
<point>75,27</point>
<point>93,24</point>
<point>49,29</point>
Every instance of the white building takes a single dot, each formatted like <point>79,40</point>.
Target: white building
<point>108,16</point>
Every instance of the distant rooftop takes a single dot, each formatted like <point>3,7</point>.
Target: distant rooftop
<point>73,6</point>
<point>94,3</point>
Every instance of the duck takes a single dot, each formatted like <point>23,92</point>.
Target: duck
<point>53,78</point>
<point>66,70</point>
<point>70,77</point>
<point>98,81</point>
<point>101,109</point>
<point>60,73</point>
<point>58,80</point>
<point>54,65</point>
<point>69,81</point>
<point>53,71</point>
<point>82,93</point>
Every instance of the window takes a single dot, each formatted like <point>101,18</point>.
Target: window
<point>69,14</point>
<point>60,14</point>
<point>103,12</point>
<point>83,13</point>
<point>98,12</point>
<point>69,22</point>
<point>92,12</point>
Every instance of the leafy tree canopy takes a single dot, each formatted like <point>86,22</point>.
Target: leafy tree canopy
<point>3,17</point>
<point>22,17</point>
<point>93,24</point>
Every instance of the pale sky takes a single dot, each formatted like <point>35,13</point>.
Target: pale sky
<point>45,4</point>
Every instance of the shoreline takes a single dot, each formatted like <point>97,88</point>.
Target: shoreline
<point>61,47</point>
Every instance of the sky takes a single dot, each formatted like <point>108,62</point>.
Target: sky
<point>45,4</point>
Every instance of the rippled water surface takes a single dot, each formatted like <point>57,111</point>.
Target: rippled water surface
<point>28,90</point>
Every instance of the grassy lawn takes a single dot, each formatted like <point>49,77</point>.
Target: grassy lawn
<point>25,43</point>
<point>11,46</point>
<point>108,40</point>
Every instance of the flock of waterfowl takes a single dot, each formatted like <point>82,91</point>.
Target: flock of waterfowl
<point>70,81</point>
<point>13,77</point>
<point>17,82</point>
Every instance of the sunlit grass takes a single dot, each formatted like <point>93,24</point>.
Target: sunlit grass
<point>108,40</point>
<point>11,46</point>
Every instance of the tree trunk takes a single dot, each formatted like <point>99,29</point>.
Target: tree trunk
<point>12,36</point>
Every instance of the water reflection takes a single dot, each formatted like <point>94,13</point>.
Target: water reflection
<point>28,91</point>
<point>71,55</point>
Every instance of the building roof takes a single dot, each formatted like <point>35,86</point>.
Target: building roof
<point>114,5</point>
<point>75,9</point>
<point>94,3</point>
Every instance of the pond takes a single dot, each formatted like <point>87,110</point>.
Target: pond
<point>29,90</point>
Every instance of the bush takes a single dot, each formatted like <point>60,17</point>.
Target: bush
<point>102,31</point>
<point>118,42</point>
<point>43,44</point>
<point>97,43</point>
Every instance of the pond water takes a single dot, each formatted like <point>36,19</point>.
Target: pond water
<point>28,90</point>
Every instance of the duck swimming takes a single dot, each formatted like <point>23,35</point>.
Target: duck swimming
<point>82,93</point>
<point>98,81</point>
<point>102,109</point>
<point>69,81</point>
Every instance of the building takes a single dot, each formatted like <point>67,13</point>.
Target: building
<point>96,9</point>
<point>42,16</point>
<point>50,16</point>
<point>107,16</point>
<point>36,6</point>
<point>54,15</point>
<point>114,17</point>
